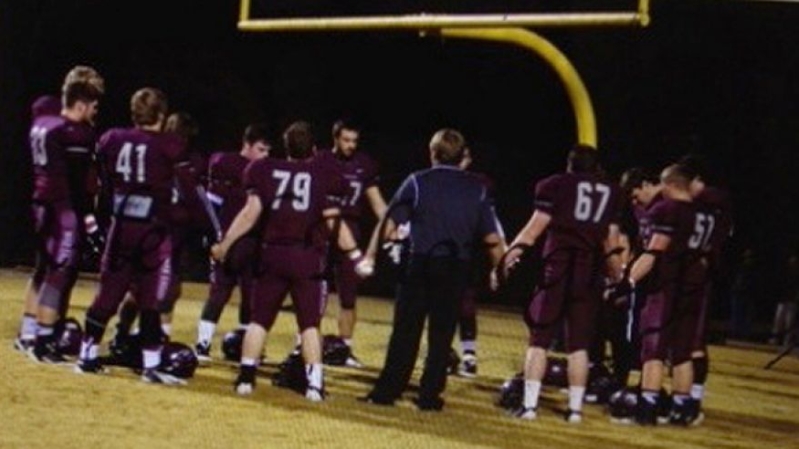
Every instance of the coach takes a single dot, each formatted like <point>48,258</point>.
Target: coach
<point>449,212</point>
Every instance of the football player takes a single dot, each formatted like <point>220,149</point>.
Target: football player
<point>52,106</point>
<point>293,199</point>
<point>579,211</point>
<point>717,209</point>
<point>226,192</point>
<point>361,177</point>
<point>675,269</point>
<point>62,149</point>
<point>138,166</point>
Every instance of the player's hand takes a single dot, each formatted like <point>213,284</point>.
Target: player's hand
<point>218,252</point>
<point>619,290</point>
<point>364,266</point>
<point>94,236</point>
<point>509,260</point>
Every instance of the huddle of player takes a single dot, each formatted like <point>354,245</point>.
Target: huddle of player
<point>279,222</point>
<point>140,186</point>
<point>664,283</point>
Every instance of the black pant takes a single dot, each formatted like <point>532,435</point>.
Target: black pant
<point>431,287</point>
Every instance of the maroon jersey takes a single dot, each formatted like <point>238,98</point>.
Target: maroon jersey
<point>581,206</point>
<point>140,167</point>
<point>359,173</point>
<point>644,220</point>
<point>293,194</point>
<point>62,153</point>
<point>715,203</point>
<point>685,224</point>
<point>226,185</point>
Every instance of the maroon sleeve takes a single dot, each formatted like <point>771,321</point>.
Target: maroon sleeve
<point>335,185</point>
<point>546,195</point>
<point>663,218</point>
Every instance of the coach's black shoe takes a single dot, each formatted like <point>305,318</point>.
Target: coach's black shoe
<point>374,399</point>
<point>429,404</point>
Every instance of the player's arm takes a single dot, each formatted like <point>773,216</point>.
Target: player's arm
<point>527,237</point>
<point>376,201</point>
<point>615,252</point>
<point>398,211</point>
<point>344,238</point>
<point>346,242</point>
<point>644,263</point>
<point>241,225</point>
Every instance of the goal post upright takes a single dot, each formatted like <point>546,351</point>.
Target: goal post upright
<point>505,28</point>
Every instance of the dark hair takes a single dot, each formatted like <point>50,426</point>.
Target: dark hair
<point>147,106</point>
<point>343,124</point>
<point>448,146</point>
<point>256,132</point>
<point>298,140</point>
<point>635,177</point>
<point>583,159</point>
<point>46,105</point>
<point>182,123</point>
<point>80,91</point>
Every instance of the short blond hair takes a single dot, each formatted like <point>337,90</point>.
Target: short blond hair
<point>148,106</point>
<point>84,74</point>
<point>448,146</point>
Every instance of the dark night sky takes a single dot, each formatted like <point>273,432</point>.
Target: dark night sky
<point>719,77</point>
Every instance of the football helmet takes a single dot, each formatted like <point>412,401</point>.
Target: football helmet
<point>232,343</point>
<point>71,333</point>
<point>178,360</point>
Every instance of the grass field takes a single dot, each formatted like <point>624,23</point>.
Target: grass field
<point>50,407</point>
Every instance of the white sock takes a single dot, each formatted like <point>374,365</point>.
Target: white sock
<point>44,330</point>
<point>576,395</point>
<point>205,331</point>
<point>152,358</point>
<point>697,391</point>
<point>166,329</point>
<point>29,326</point>
<point>469,346</point>
<point>313,372</point>
<point>243,326</point>
<point>532,388</point>
<point>88,350</point>
<point>246,361</point>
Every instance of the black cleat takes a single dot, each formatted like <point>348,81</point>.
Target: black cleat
<point>646,413</point>
<point>376,400</point>
<point>203,352</point>
<point>429,404</point>
<point>92,366</point>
